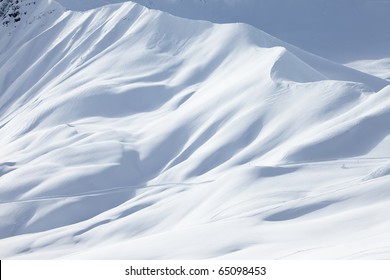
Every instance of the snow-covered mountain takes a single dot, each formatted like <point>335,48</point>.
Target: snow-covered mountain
<point>127,132</point>
<point>351,32</point>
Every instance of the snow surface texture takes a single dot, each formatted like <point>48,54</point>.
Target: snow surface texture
<point>128,133</point>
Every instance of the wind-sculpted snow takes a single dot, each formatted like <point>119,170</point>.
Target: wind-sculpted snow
<point>130,133</point>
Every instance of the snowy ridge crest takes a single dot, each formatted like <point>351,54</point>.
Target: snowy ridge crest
<point>11,11</point>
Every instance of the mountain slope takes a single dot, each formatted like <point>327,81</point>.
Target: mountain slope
<point>129,128</point>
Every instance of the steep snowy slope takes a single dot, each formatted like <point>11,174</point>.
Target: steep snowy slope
<point>130,133</point>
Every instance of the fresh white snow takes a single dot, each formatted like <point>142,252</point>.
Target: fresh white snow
<point>129,133</point>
